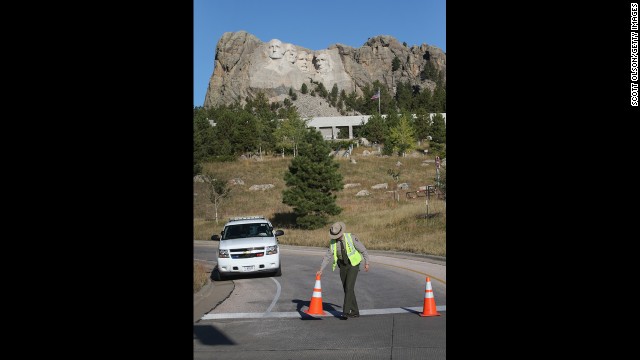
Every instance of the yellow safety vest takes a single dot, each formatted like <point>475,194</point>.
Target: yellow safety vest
<point>352,253</point>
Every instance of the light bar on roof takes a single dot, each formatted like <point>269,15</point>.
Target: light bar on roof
<point>246,218</point>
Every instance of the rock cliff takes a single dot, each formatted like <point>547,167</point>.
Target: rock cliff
<point>244,65</point>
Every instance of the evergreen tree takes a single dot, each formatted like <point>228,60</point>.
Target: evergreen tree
<point>351,101</point>
<point>375,130</point>
<point>438,129</point>
<point>395,63</point>
<point>423,100</point>
<point>333,97</point>
<point>404,96</point>
<point>311,181</point>
<point>422,124</point>
<point>321,90</point>
<point>246,140</point>
<point>402,137</point>
<point>304,88</point>
<point>225,131</point>
<point>266,122</point>
<point>430,71</point>
<point>203,139</point>
<point>439,99</point>
<point>392,120</point>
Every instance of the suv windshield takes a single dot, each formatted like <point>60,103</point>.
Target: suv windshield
<point>247,230</point>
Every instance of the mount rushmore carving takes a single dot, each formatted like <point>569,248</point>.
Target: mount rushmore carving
<point>244,65</point>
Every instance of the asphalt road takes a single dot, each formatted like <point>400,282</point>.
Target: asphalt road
<point>251,317</point>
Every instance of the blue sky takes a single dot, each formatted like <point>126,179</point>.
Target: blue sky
<point>311,24</point>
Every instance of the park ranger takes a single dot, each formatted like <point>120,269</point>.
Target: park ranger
<point>346,251</point>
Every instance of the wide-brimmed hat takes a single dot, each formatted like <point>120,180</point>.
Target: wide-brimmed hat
<point>336,230</point>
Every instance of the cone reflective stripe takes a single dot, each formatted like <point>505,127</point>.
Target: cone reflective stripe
<point>315,306</point>
<point>429,308</point>
<point>317,289</point>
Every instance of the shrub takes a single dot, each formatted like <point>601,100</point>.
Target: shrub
<point>437,149</point>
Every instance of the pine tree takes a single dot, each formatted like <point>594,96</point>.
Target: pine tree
<point>395,63</point>
<point>375,129</point>
<point>402,136</point>
<point>439,99</point>
<point>422,124</point>
<point>438,130</point>
<point>333,97</point>
<point>266,122</point>
<point>312,179</point>
<point>321,90</point>
<point>203,139</point>
<point>404,96</point>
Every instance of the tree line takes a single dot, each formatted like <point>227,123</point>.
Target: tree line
<point>261,127</point>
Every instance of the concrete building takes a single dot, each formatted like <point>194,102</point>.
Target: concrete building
<point>330,126</point>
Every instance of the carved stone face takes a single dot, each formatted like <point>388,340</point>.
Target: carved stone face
<point>302,61</point>
<point>291,53</point>
<point>276,51</point>
<point>323,63</point>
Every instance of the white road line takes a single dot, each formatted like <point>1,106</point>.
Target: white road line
<point>275,299</point>
<point>295,314</point>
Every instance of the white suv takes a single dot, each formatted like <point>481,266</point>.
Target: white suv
<point>248,245</point>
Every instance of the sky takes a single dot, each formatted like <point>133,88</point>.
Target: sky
<point>314,25</point>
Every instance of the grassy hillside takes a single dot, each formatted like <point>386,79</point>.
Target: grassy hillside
<point>379,221</point>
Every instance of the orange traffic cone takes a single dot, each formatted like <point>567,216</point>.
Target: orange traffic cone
<point>315,307</point>
<point>429,308</point>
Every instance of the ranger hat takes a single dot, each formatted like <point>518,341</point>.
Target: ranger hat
<point>336,230</point>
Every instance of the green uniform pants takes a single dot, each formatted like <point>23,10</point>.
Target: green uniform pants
<point>348,275</point>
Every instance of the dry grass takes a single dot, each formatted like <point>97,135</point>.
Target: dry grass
<point>381,222</point>
<point>200,276</point>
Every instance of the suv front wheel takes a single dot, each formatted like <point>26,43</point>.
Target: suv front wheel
<point>216,275</point>
<point>278,272</point>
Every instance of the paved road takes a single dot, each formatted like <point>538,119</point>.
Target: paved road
<point>263,317</point>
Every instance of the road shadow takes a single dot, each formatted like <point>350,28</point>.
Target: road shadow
<point>410,310</point>
<point>327,307</point>
<point>209,335</point>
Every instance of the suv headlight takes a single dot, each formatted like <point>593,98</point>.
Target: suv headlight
<point>223,253</point>
<point>273,249</point>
